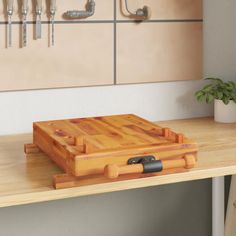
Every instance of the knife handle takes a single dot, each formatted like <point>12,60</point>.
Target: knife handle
<point>52,6</point>
<point>10,6</point>
<point>24,6</point>
<point>39,6</point>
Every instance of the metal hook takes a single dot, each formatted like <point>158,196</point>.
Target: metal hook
<point>75,14</point>
<point>144,12</point>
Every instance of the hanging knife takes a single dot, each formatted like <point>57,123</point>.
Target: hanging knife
<point>24,25</point>
<point>52,17</point>
<point>9,15</point>
<point>38,30</point>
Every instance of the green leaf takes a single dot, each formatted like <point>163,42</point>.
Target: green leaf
<point>229,86</point>
<point>232,84</point>
<point>232,94</point>
<point>234,97</point>
<point>226,100</point>
<point>226,93</point>
<point>199,93</point>
<point>217,89</point>
<point>217,80</point>
<point>201,98</point>
<point>208,87</point>
<point>219,95</point>
<point>209,98</point>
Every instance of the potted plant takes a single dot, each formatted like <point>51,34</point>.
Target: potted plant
<point>224,96</point>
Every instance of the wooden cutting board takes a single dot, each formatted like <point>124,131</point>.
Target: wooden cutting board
<point>83,147</point>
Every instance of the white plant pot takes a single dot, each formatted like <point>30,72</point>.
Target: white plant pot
<point>225,113</point>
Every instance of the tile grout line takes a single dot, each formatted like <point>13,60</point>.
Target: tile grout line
<point>161,21</point>
<point>115,21</point>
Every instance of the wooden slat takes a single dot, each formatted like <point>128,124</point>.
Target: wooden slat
<point>61,181</point>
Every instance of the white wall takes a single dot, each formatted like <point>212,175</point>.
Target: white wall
<point>153,101</point>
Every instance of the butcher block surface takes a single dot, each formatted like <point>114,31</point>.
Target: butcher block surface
<point>29,180</point>
<point>84,146</point>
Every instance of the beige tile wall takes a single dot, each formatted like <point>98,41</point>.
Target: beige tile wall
<point>104,9</point>
<point>87,54</point>
<point>159,52</point>
<point>83,58</point>
<point>163,9</point>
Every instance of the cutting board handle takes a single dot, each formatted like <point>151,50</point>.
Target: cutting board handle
<point>112,171</point>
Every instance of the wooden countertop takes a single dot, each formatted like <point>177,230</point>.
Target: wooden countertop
<point>29,180</point>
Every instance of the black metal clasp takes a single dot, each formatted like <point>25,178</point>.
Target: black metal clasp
<point>141,159</point>
<point>150,164</point>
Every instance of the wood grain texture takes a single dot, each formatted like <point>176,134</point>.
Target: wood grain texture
<point>29,180</point>
<point>84,146</point>
<point>113,171</point>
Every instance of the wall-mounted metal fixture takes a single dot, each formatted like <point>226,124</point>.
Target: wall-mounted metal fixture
<point>141,13</point>
<point>9,23</point>
<point>76,14</point>
<point>38,26</point>
<point>52,20</point>
<point>24,11</point>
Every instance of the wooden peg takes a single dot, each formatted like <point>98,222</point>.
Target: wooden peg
<point>63,181</point>
<point>190,161</point>
<point>78,140</point>
<point>31,148</point>
<point>112,171</point>
<point>88,147</point>
<point>166,132</point>
<point>84,143</point>
<point>179,138</point>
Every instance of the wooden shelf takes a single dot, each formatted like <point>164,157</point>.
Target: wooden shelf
<point>29,180</point>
